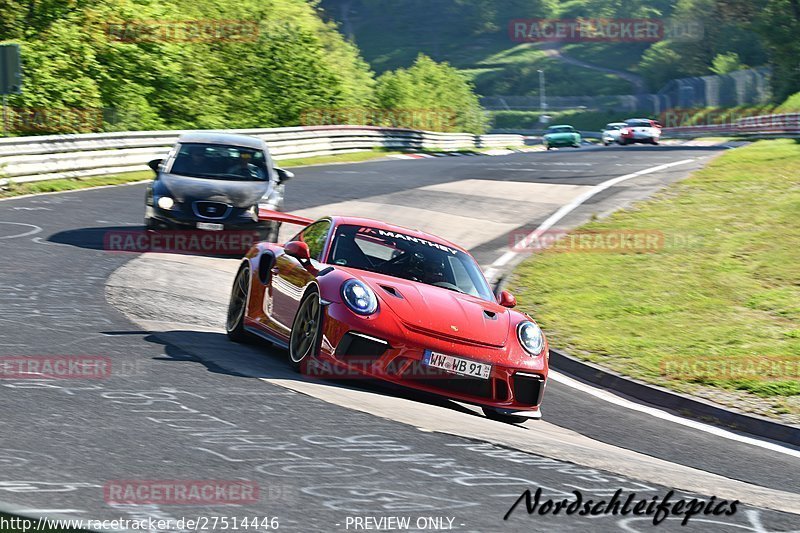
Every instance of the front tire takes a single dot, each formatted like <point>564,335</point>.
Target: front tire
<point>507,419</point>
<point>306,336</point>
<point>237,306</point>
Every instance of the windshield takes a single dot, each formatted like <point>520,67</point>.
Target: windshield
<point>613,126</point>
<point>638,123</point>
<point>408,257</point>
<point>561,129</point>
<point>220,161</point>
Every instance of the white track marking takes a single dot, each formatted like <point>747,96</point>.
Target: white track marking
<point>34,231</point>
<point>504,259</point>
<point>664,415</point>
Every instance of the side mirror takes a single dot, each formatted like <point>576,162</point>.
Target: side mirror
<point>507,299</point>
<point>155,164</point>
<point>298,249</point>
<point>283,174</point>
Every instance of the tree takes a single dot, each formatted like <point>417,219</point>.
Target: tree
<point>436,91</point>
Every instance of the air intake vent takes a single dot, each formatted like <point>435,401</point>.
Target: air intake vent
<point>391,290</point>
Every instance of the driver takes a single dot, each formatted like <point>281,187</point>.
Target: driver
<point>434,271</point>
<point>245,168</point>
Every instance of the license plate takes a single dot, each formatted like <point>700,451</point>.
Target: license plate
<point>457,365</point>
<point>208,226</point>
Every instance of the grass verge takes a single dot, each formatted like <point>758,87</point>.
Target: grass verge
<point>715,307</point>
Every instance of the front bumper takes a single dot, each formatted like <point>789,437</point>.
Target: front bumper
<point>561,142</point>
<point>172,220</point>
<point>352,349</point>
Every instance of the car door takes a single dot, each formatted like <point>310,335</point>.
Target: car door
<point>290,278</point>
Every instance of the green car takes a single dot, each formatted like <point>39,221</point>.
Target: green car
<point>561,135</point>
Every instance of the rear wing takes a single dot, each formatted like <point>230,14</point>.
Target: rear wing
<point>288,218</point>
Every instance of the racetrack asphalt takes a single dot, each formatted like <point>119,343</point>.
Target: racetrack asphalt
<point>165,413</point>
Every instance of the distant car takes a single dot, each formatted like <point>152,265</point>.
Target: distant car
<point>640,130</point>
<point>611,132</point>
<point>360,297</point>
<point>216,182</point>
<point>561,135</point>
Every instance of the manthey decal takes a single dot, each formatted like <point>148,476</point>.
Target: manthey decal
<point>365,230</point>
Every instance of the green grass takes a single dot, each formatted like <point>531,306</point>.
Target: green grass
<point>725,286</point>
<point>790,105</point>
<point>354,157</point>
<point>14,189</point>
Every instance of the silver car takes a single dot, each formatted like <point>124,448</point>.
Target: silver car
<point>610,133</point>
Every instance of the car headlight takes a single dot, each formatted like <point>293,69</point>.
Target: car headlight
<point>165,202</point>
<point>530,337</point>
<point>359,297</point>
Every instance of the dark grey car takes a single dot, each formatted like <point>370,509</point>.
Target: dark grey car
<point>215,182</point>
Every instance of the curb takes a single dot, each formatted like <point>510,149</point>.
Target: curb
<point>682,404</point>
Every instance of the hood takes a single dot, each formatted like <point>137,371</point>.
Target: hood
<point>184,189</point>
<point>434,310</point>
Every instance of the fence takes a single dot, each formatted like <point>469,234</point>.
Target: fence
<point>783,125</point>
<point>742,87</point>
<point>25,159</point>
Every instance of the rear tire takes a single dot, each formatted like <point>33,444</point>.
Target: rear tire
<point>507,419</point>
<point>237,307</point>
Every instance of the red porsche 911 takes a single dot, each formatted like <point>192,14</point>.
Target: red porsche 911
<point>363,298</point>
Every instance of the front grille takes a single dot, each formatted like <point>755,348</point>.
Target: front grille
<point>528,388</point>
<point>211,210</point>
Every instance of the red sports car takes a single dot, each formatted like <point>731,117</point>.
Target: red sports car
<point>354,297</point>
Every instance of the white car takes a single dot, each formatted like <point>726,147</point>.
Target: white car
<point>640,130</point>
<point>610,133</point>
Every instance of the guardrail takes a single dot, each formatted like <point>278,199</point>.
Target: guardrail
<point>782,125</point>
<point>26,159</point>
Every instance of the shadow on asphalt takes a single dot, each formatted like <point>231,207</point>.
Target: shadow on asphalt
<point>101,238</point>
<point>259,359</point>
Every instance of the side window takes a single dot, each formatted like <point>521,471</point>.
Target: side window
<point>315,236</point>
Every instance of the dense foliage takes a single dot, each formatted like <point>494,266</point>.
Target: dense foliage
<point>89,65</point>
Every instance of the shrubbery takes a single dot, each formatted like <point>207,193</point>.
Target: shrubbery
<point>286,62</point>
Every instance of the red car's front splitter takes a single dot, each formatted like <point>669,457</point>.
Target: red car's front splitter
<point>349,353</point>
